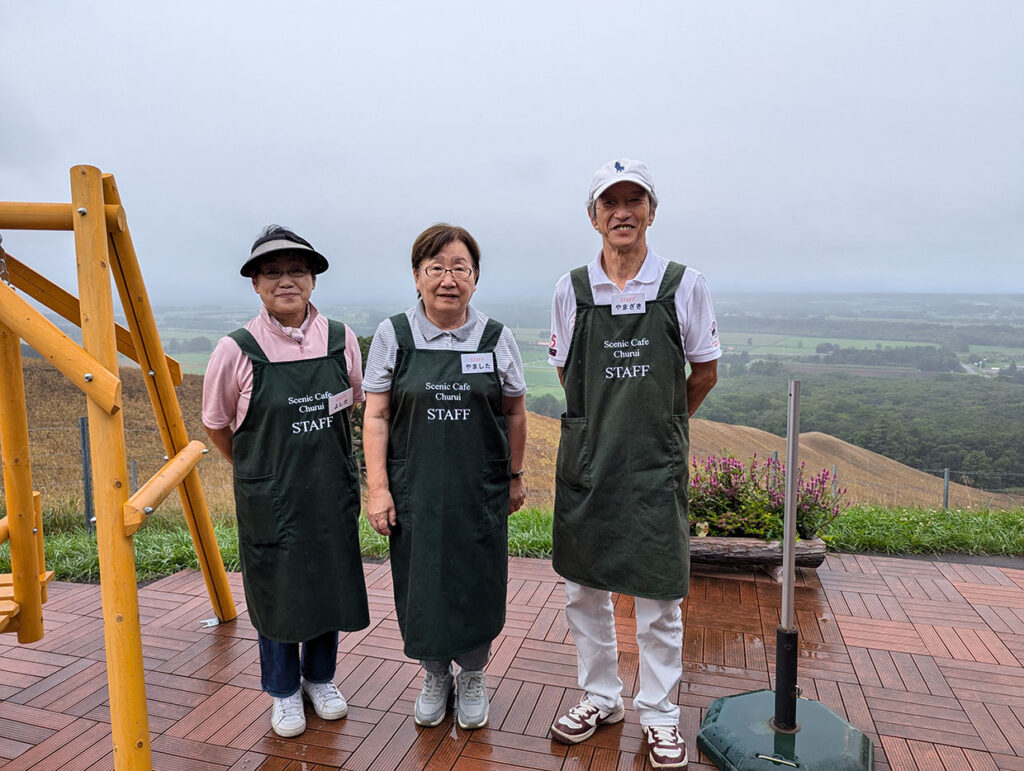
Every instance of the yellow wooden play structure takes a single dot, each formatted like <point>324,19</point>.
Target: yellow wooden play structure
<point>103,249</point>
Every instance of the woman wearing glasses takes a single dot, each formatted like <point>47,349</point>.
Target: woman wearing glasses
<point>276,401</point>
<point>444,436</point>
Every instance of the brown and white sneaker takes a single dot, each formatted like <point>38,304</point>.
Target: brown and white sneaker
<point>580,722</point>
<point>665,747</point>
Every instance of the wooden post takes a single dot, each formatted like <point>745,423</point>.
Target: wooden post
<point>121,629</point>
<point>21,514</point>
<point>141,322</point>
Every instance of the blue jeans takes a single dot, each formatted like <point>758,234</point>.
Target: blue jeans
<point>280,663</point>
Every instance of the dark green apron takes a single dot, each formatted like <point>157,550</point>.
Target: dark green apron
<point>621,521</point>
<point>448,470</point>
<point>297,497</point>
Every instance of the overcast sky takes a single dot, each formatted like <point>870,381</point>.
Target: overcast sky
<point>832,146</point>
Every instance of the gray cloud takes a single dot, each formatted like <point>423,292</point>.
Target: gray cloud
<point>826,146</point>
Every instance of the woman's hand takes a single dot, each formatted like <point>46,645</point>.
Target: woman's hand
<point>380,511</point>
<point>516,495</point>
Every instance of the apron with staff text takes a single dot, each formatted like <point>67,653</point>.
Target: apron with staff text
<point>448,471</point>
<point>297,496</point>
<point>621,520</point>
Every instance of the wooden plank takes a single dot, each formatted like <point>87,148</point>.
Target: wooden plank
<point>946,710</point>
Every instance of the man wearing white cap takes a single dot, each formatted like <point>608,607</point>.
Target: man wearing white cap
<point>622,330</point>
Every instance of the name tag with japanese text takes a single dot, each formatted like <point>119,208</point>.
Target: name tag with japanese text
<point>477,362</point>
<point>338,402</point>
<point>629,303</point>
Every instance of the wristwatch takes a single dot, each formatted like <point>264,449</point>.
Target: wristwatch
<point>517,474</point>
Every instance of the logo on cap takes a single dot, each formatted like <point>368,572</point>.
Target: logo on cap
<point>619,166</point>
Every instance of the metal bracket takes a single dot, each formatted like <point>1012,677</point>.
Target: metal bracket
<point>209,622</point>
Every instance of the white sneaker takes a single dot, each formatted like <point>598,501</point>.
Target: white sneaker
<point>287,718</point>
<point>326,699</point>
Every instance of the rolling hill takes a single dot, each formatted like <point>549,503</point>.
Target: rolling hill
<point>55,406</point>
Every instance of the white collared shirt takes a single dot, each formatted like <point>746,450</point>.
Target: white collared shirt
<point>694,311</point>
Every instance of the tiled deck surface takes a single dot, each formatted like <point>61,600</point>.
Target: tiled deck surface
<point>925,657</point>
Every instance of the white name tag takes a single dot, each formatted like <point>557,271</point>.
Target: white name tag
<point>477,362</point>
<point>338,402</point>
<point>629,303</point>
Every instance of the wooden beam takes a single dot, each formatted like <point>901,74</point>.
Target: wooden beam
<point>65,304</point>
<point>15,215</point>
<point>152,493</point>
<point>44,578</point>
<point>121,629</point>
<point>21,515</point>
<point>139,312</point>
<point>83,370</point>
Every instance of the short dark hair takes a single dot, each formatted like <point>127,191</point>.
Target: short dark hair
<point>437,237</point>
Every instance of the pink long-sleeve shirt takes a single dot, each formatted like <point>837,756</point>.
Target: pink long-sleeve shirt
<point>227,386</point>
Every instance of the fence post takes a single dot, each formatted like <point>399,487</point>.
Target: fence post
<point>775,464</point>
<point>135,475</point>
<point>945,488</point>
<point>85,452</point>
<point>835,479</point>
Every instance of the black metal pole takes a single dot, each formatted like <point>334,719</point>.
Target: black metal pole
<point>786,641</point>
<point>86,453</point>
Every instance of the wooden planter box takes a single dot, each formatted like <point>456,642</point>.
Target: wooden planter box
<point>752,552</point>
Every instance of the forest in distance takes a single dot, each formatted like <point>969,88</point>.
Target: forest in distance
<point>933,381</point>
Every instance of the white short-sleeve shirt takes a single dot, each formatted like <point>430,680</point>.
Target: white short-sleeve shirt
<point>694,311</point>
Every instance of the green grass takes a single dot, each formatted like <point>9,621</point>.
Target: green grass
<point>163,545</point>
<point>928,531</point>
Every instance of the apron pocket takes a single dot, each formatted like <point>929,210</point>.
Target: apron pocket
<point>398,486</point>
<point>495,494</point>
<point>256,509</point>
<point>573,465</point>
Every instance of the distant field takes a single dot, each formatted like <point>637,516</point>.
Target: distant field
<point>760,344</point>
<point>853,369</point>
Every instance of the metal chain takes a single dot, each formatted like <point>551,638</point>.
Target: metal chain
<point>4,275</point>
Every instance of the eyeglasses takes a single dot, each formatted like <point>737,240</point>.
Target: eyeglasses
<point>459,272</point>
<point>274,275</point>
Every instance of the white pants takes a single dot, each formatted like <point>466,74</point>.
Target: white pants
<point>659,637</point>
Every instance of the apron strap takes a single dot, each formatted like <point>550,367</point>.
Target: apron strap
<point>249,345</point>
<point>670,281</point>
<point>403,332</point>
<point>581,286</point>
<point>335,337</point>
<point>489,339</point>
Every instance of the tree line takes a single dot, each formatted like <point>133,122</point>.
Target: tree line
<point>959,422</point>
<point>956,337</point>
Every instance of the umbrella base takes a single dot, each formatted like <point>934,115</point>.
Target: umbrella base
<point>737,734</point>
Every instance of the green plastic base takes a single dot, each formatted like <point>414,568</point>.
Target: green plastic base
<point>737,735</point>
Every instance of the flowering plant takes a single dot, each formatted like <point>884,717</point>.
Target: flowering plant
<point>728,497</point>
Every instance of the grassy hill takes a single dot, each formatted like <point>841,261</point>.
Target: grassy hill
<point>55,405</point>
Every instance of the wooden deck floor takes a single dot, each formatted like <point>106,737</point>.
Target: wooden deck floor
<point>927,658</point>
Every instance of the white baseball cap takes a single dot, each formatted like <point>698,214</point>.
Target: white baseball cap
<point>621,170</point>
